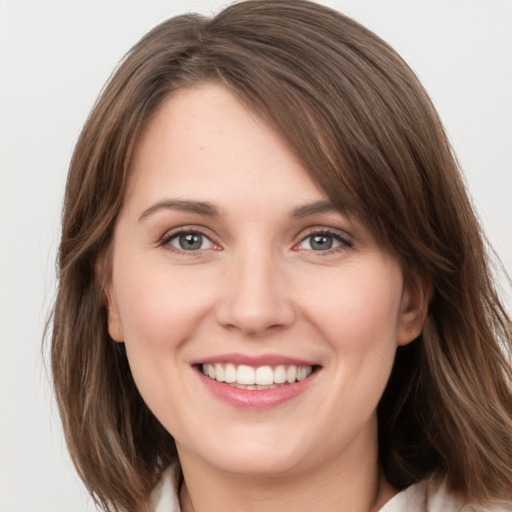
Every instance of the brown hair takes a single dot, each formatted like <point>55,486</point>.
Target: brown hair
<point>366,131</point>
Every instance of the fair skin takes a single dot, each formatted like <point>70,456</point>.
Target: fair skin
<point>226,253</point>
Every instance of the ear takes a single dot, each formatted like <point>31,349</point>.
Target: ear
<point>115,327</point>
<point>414,307</point>
<point>104,278</point>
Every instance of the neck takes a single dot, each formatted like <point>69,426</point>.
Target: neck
<point>339,483</point>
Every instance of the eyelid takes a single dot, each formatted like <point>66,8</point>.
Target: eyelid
<point>191,229</point>
<point>346,240</point>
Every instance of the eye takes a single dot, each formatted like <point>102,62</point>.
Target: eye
<point>189,241</point>
<point>323,241</point>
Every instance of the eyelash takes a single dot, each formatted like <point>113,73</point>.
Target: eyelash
<point>344,241</point>
<point>166,240</point>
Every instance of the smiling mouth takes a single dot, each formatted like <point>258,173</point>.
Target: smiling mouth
<point>256,378</point>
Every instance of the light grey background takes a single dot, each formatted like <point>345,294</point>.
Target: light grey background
<point>55,55</point>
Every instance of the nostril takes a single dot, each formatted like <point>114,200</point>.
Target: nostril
<point>255,320</point>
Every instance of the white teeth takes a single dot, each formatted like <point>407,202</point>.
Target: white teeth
<point>291,374</point>
<point>301,373</point>
<point>262,377</point>
<point>245,375</point>
<point>280,374</point>
<point>229,373</point>
<point>219,372</point>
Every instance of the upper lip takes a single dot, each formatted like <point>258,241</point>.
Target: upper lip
<point>255,360</point>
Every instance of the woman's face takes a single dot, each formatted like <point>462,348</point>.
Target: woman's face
<point>228,260</point>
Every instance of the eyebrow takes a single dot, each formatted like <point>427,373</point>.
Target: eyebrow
<point>198,207</point>
<point>210,210</point>
<point>315,208</point>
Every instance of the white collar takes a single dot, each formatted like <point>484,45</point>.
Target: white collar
<point>165,496</point>
<point>429,495</point>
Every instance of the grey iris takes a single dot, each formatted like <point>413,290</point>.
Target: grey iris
<point>191,241</point>
<point>321,242</point>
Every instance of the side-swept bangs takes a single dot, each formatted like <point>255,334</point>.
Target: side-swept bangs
<point>356,116</point>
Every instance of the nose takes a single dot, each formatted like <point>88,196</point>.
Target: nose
<point>255,299</point>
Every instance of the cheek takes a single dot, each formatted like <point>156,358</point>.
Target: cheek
<point>358,310</point>
<point>160,310</point>
<point>160,306</point>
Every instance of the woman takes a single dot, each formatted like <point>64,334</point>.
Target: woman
<point>274,292</point>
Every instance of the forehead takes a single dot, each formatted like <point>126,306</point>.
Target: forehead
<point>203,141</point>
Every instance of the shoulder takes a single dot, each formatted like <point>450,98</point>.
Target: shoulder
<point>434,495</point>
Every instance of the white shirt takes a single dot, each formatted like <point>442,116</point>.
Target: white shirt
<point>430,495</point>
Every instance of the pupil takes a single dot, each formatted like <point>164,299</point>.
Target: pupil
<point>321,242</point>
<point>191,241</point>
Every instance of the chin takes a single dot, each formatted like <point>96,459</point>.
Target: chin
<point>255,455</point>
<point>261,464</point>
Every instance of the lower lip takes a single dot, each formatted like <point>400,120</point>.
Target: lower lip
<point>257,399</point>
